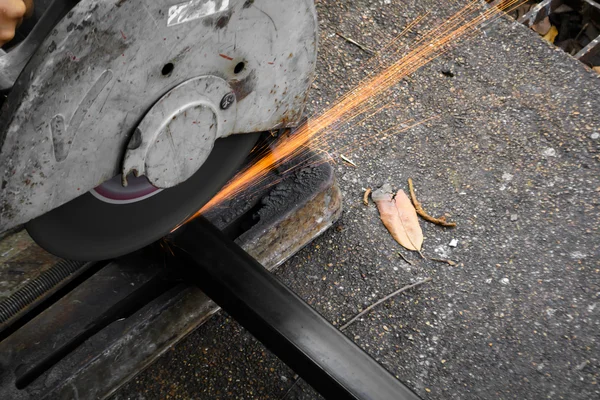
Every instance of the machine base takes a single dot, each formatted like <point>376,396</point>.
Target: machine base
<point>115,318</point>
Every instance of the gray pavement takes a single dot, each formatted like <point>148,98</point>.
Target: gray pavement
<point>513,158</point>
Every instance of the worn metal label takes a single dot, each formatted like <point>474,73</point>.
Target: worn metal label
<point>194,9</point>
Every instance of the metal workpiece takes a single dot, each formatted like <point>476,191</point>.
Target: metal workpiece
<point>101,69</point>
<point>316,350</point>
<point>285,213</point>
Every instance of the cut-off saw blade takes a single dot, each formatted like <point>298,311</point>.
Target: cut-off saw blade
<point>107,222</point>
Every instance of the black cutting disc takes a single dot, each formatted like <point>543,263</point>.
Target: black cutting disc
<point>89,229</point>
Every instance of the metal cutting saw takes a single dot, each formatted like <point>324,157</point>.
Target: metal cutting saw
<point>121,118</point>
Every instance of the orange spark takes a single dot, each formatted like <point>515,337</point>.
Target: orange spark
<point>366,96</point>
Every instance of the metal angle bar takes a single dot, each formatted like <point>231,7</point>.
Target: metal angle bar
<point>538,12</point>
<point>282,321</point>
<point>588,49</point>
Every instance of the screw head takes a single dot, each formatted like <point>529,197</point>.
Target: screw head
<point>227,100</point>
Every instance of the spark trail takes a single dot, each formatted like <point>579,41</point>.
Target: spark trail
<point>365,100</point>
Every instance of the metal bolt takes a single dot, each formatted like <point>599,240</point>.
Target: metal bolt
<point>227,101</point>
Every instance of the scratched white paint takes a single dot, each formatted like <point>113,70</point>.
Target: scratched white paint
<point>194,9</point>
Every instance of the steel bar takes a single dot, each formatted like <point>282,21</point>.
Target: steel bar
<point>323,356</point>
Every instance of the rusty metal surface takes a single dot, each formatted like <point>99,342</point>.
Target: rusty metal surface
<point>70,330</point>
<point>284,215</point>
<point>66,123</point>
<point>149,334</point>
<point>279,235</point>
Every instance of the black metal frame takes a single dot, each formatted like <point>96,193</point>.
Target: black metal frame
<point>323,356</point>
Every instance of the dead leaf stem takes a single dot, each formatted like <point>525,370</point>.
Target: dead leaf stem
<point>405,259</point>
<point>348,161</point>
<point>378,302</point>
<point>363,312</point>
<point>354,42</point>
<point>439,221</point>
<point>296,380</point>
<point>441,260</point>
<point>366,196</point>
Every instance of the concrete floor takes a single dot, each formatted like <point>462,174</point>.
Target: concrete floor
<point>513,158</point>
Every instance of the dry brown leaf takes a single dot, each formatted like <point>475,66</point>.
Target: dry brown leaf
<point>551,35</point>
<point>399,217</point>
<point>542,27</point>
